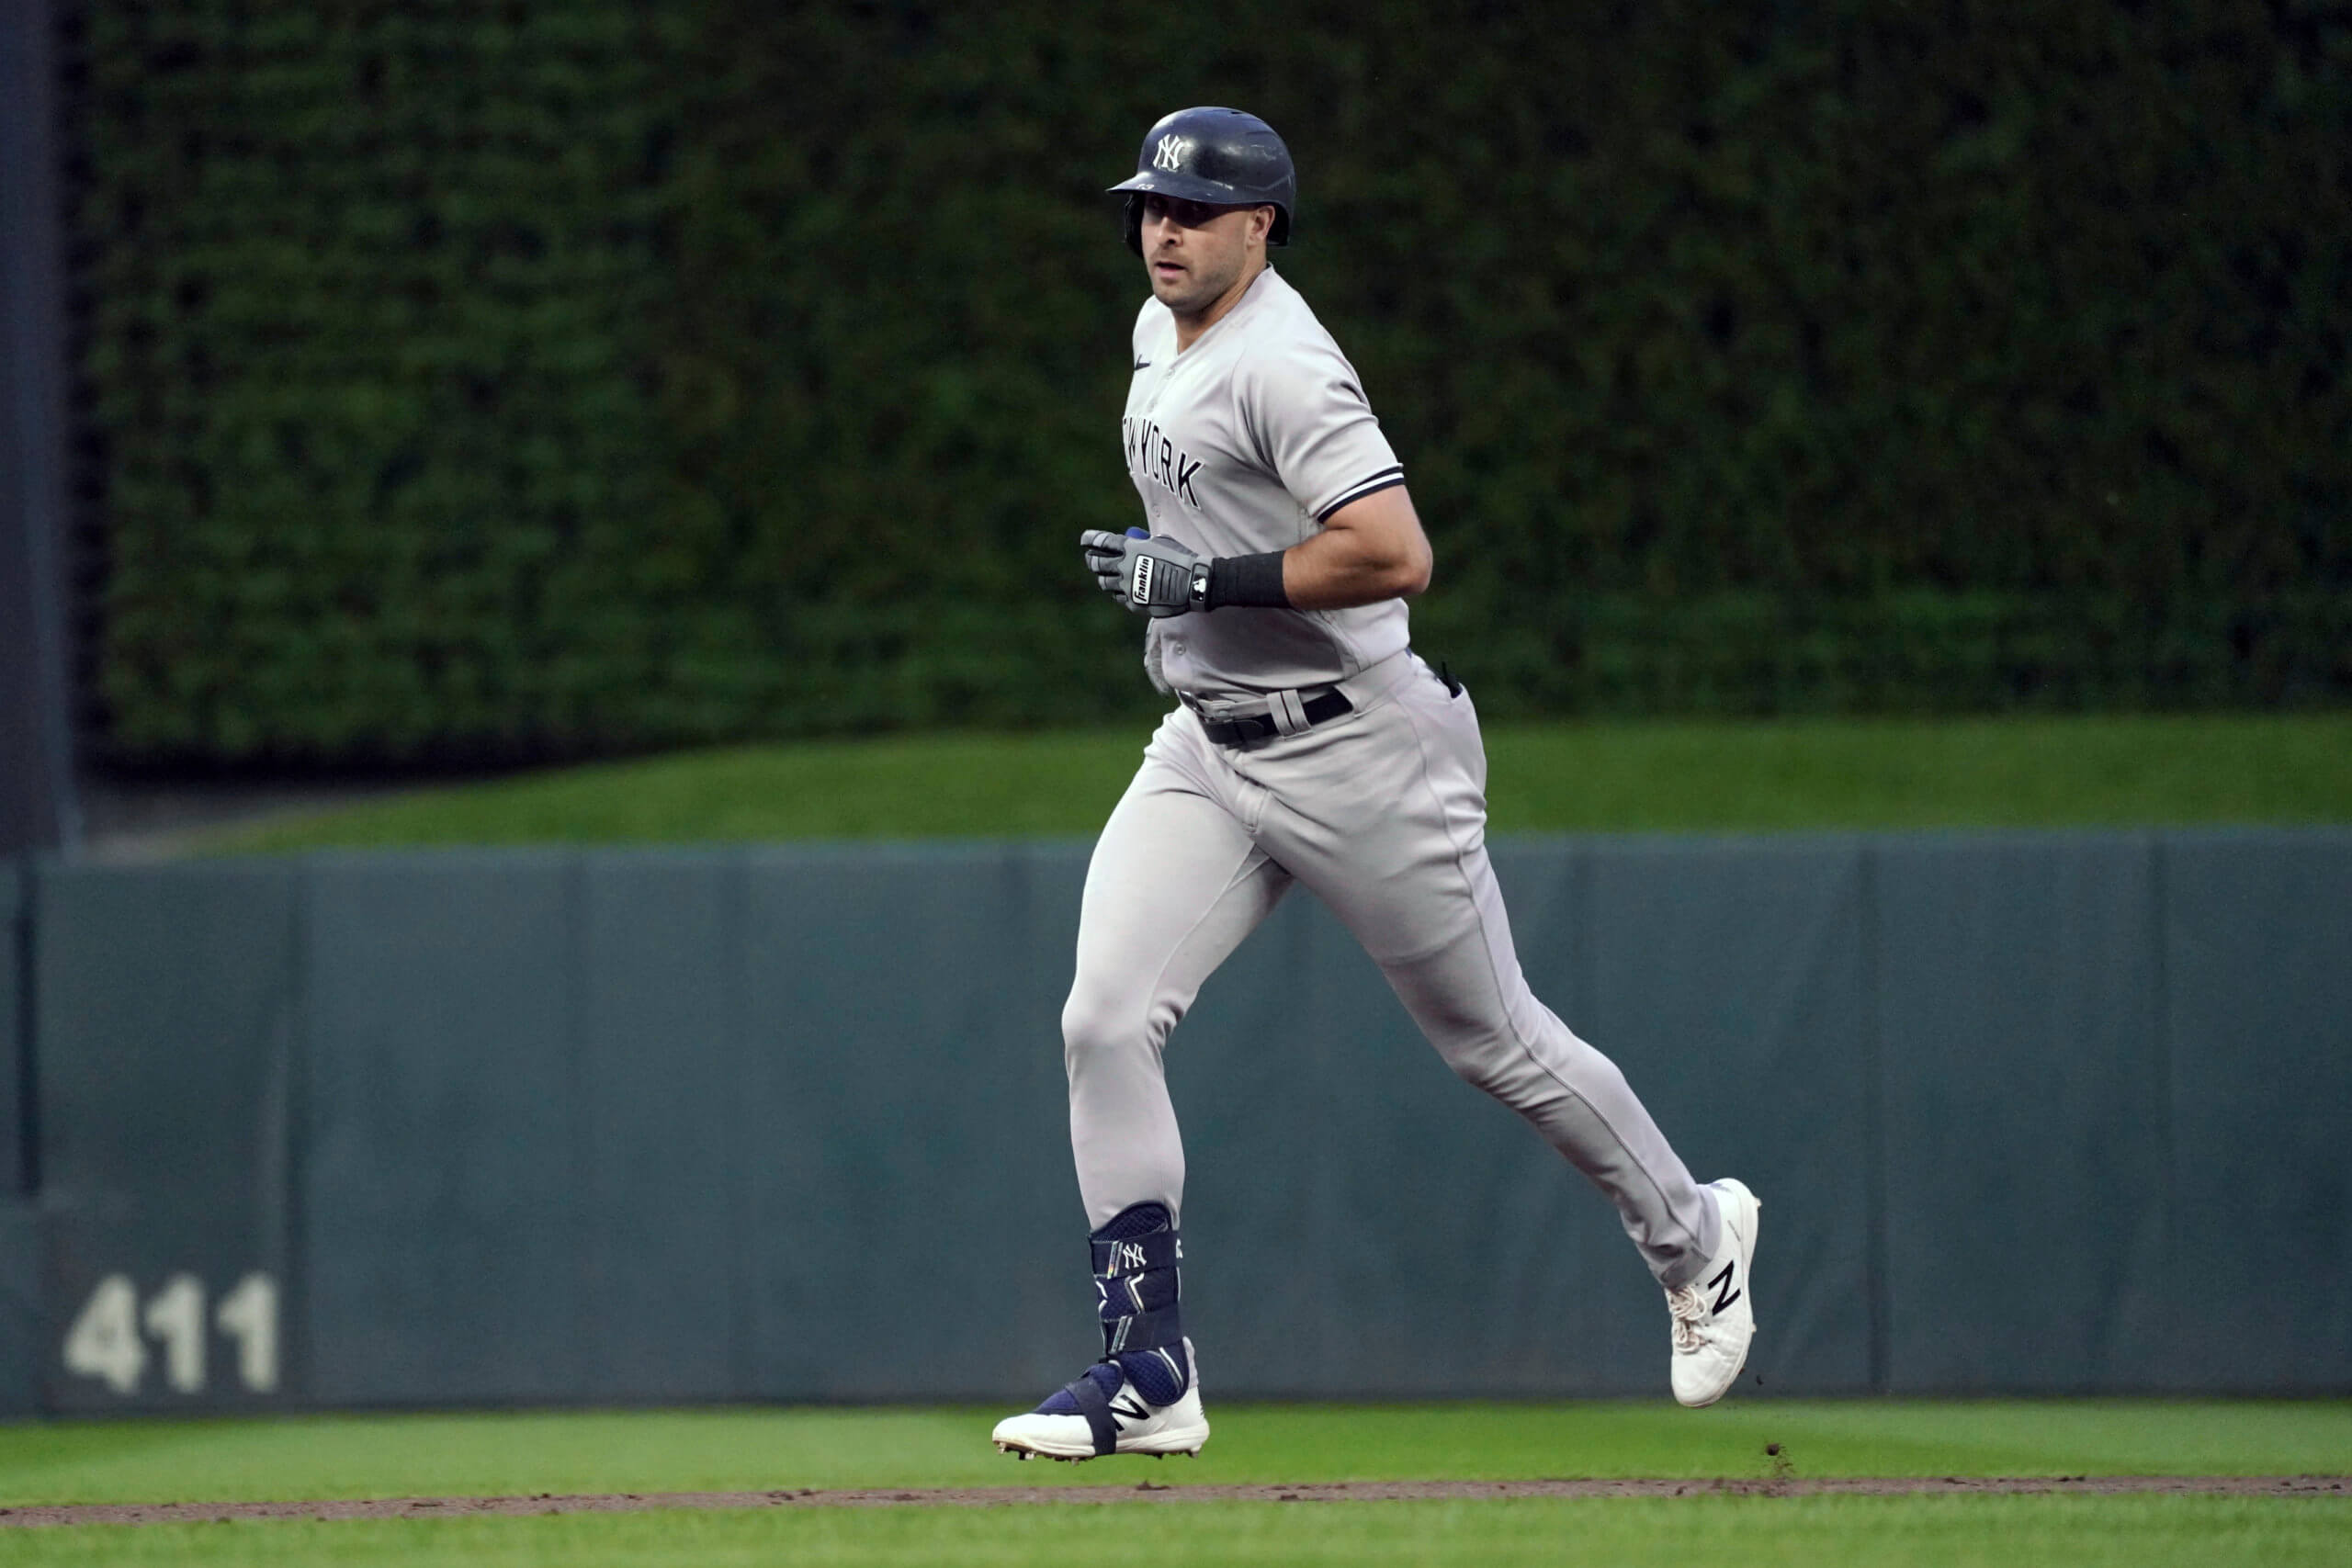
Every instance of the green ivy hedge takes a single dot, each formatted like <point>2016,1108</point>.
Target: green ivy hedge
<point>524,379</point>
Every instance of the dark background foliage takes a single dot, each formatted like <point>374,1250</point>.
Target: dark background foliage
<point>526,379</point>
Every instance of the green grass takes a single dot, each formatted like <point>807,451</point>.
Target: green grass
<point>352,1455</point>
<point>1667,777</point>
<point>1947,1532</point>
<point>752,1450</point>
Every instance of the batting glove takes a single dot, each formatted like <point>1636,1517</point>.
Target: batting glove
<point>1154,577</point>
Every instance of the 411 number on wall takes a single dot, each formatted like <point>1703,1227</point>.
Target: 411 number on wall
<point>109,1337</point>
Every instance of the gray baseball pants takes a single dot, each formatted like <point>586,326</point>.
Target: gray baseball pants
<point>1381,814</point>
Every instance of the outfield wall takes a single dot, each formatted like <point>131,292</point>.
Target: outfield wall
<point>2029,1113</point>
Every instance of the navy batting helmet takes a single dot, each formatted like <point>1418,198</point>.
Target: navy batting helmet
<point>1223,157</point>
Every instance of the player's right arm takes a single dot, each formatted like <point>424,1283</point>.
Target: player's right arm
<point>1371,549</point>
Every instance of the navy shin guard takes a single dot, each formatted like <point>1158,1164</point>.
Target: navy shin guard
<point>1136,1258</point>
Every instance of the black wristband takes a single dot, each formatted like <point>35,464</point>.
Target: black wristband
<point>1246,580</point>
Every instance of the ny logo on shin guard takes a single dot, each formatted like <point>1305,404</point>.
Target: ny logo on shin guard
<point>1720,1284</point>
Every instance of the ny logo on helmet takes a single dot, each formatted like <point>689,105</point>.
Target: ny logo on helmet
<point>1172,153</point>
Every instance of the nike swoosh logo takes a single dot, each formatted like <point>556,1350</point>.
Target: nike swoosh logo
<point>1143,364</point>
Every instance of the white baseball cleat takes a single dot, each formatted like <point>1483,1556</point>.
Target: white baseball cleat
<point>1714,1315</point>
<point>1121,1420</point>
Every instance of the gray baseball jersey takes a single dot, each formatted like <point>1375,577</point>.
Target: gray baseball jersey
<point>1245,443</point>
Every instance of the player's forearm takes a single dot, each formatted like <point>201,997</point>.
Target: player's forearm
<point>1330,573</point>
<point>1369,550</point>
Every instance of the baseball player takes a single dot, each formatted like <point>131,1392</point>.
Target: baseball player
<point>1309,745</point>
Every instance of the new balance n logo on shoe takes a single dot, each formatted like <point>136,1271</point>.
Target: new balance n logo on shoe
<point>1128,1407</point>
<point>1721,1285</point>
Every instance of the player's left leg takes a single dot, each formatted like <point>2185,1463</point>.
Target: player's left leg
<point>1174,884</point>
<point>1384,819</point>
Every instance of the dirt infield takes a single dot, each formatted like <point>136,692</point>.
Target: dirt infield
<point>1151,1492</point>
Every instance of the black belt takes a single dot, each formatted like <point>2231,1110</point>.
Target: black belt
<point>1256,727</point>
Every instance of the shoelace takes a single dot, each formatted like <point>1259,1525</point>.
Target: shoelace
<point>1689,1310</point>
